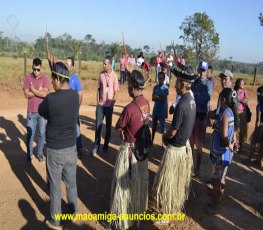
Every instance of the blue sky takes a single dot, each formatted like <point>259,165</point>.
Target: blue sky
<point>143,22</point>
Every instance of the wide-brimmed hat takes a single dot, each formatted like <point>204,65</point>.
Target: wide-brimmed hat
<point>185,73</point>
<point>227,73</point>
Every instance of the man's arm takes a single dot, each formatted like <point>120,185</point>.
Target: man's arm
<point>28,94</point>
<point>257,119</point>
<point>114,97</point>
<point>43,108</point>
<point>153,95</point>
<point>223,133</point>
<point>170,133</point>
<point>121,123</point>
<point>80,97</point>
<point>163,96</point>
<point>115,89</point>
<point>39,92</point>
<point>78,88</point>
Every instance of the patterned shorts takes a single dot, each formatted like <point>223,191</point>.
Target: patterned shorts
<point>219,172</point>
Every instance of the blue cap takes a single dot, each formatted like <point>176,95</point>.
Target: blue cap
<point>203,65</point>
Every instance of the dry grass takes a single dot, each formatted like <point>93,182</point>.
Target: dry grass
<point>12,70</point>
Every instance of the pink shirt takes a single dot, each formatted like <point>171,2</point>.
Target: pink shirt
<point>241,94</point>
<point>122,64</point>
<point>41,82</point>
<point>107,85</point>
<point>131,61</point>
<point>158,61</point>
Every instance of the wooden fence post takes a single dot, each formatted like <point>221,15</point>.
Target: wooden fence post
<point>79,63</point>
<point>25,64</point>
<point>255,74</point>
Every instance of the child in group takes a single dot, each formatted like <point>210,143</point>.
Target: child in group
<point>222,147</point>
<point>159,96</point>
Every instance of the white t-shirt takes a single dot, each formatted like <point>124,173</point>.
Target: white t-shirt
<point>139,62</point>
<point>167,80</point>
<point>170,60</point>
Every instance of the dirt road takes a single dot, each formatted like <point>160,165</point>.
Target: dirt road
<point>24,200</point>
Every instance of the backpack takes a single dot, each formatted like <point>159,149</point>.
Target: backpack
<point>143,142</point>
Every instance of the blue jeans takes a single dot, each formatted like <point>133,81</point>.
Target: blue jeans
<point>62,166</point>
<point>123,77</point>
<point>79,140</point>
<point>158,116</point>
<point>32,120</point>
<point>101,112</point>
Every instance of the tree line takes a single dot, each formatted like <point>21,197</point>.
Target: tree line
<point>200,42</point>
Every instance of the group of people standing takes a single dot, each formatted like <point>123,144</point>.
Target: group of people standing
<point>163,62</point>
<point>129,191</point>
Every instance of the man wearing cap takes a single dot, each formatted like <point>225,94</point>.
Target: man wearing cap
<point>226,78</point>
<point>172,181</point>
<point>61,109</point>
<point>36,87</point>
<point>201,89</point>
<point>129,191</point>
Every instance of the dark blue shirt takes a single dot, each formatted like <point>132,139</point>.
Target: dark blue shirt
<point>201,92</point>
<point>74,83</point>
<point>160,106</point>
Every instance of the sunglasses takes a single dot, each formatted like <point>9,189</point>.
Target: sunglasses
<point>35,69</point>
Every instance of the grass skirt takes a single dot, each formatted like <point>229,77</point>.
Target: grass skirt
<point>172,182</point>
<point>129,189</point>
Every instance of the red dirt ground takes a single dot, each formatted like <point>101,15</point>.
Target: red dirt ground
<point>24,200</point>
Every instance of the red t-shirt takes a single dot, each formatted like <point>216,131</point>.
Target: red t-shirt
<point>131,119</point>
<point>146,66</point>
<point>41,82</point>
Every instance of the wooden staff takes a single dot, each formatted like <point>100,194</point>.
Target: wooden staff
<point>47,43</point>
<point>124,46</point>
<point>50,58</point>
<point>175,56</point>
<point>127,66</point>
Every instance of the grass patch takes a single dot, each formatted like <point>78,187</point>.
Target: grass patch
<point>12,70</point>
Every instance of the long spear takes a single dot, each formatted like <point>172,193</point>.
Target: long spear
<point>50,58</point>
<point>175,56</point>
<point>124,46</point>
<point>47,42</point>
<point>127,66</point>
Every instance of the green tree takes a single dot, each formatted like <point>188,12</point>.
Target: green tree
<point>115,48</point>
<point>200,36</point>
<point>146,48</point>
